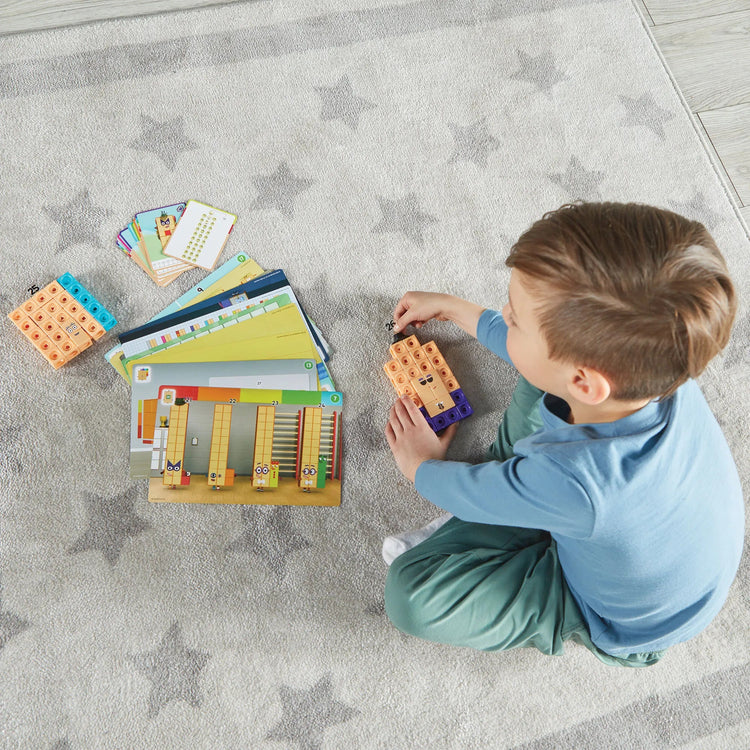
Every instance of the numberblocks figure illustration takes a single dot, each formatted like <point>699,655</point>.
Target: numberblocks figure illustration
<point>256,446</point>
<point>420,372</point>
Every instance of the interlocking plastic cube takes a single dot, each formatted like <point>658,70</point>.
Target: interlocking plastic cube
<point>421,373</point>
<point>62,320</point>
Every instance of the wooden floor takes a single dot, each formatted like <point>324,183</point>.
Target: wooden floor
<point>706,44</point>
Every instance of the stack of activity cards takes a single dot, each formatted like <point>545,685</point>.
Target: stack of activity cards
<point>231,398</point>
<point>169,240</point>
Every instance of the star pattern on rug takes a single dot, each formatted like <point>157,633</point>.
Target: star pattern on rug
<point>496,262</point>
<point>269,535</point>
<point>404,215</point>
<point>11,624</point>
<point>306,714</point>
<point>166,140</point>
<point>579,182</point>
<point>339,102</point>
<point>473,143</point>
<point>539,70</point>
<point>696,209</point>
<point>338,304</point>
<point>279,190</point>
<point>112,520</point>
<point>173,670</point>
<point>645,112</point>
<point>80,221</point>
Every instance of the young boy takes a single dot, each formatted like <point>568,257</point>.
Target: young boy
<point>609,510</point>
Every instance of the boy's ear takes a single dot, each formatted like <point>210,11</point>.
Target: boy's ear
<point>589,386</point>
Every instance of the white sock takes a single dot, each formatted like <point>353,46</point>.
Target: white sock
<point>396,545</point>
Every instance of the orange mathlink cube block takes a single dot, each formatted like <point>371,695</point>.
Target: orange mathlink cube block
<point>94,329</point>
<point>58,322</point>
<point>420,372</point>
<point>51,352</point>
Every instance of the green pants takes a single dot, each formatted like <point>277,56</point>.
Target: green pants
<point>492,587</point>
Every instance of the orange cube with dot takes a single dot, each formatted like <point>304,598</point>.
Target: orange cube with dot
<point>420,372</point>
<point>62,320</point>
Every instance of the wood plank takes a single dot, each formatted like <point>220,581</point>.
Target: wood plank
<point>672,11</point>
<point>710,59</point>
<point>729,131</point>
<point>17,16</point>
<point>716,159</point>
<point>641,6</point>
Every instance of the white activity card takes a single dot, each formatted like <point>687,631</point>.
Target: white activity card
<point>200,235</point>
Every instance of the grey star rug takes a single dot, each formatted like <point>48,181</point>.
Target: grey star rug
<point>367,147</point>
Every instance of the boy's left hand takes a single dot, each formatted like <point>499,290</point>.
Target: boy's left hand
<point>412,440</point>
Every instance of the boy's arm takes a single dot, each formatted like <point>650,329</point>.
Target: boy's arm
<point>534,491</point>
<point>492,332</point>
<point>531,492</point>
<point>465,314</point>
<point>416,308</point>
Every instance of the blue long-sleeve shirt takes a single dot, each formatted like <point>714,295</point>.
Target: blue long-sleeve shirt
<point>647,511</point>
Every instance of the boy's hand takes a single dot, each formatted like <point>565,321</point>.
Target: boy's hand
<point>412,440</point>
<point>416,308</point>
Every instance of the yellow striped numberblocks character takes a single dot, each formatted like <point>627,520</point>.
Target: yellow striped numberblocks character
<point>308,468</point>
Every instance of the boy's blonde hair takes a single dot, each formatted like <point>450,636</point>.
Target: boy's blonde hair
<point>638,293</point>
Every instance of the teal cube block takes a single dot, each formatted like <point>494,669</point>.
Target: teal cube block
<point>67,280</point>
<point>106,319</point>
<point>90,303</point>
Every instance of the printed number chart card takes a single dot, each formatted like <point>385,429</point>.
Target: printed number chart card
<point>200,235</point>
<point>279,334</point>
<point>246,445</point>
<point>128,242</point>
<point>290,374</point>
<point>155,230</point>
<point>264,294</point>
<point>236,271</point>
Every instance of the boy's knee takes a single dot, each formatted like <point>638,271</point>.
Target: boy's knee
<point>400,599</point>
<point>397,598</point>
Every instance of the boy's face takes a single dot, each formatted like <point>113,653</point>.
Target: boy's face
<point>526,344</point>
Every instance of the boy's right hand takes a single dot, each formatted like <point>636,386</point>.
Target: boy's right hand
<point>416,308</point>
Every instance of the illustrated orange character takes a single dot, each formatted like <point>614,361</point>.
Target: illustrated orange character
<point>307,477</point>
<point>310,447</point>
<point>260,475</point>
<point>264,420</point>
<point>165,226</point>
